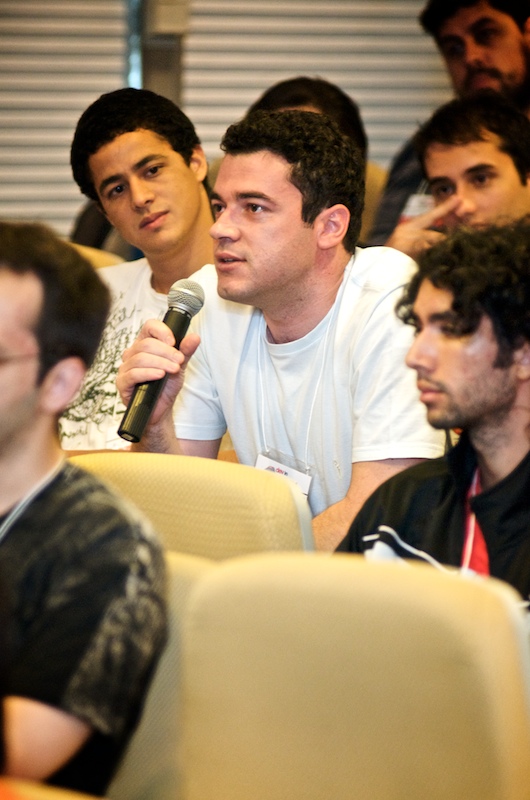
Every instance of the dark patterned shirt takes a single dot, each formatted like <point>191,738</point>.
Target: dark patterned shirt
<point>85,581</point>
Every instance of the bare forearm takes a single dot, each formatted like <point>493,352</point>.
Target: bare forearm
<point>159,438</point>
<point>39,739</point>
<point>331,526</point>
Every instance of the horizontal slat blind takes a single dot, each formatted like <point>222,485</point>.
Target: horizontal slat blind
<point>55,59</point>
<point>374,50</point>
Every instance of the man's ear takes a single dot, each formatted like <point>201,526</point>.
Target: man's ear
<point>61,384</point>
<point>526,31</point>
<point>198,163</point>
<point>331,226</point>
<point>521,359</point>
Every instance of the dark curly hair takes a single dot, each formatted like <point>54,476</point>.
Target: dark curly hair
<point>487,271</point>
<point>326,166</point>
<point>123,111</point>
<point>76,301</point>
<point>470,119</point>
<point>436,12</point>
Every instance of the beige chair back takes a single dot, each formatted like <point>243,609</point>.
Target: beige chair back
<point>150,770</point>
<point>207,507</point>
<point>18,789</point>
<point>310,677</point>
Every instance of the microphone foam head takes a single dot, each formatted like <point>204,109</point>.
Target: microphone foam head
<point>186,294</point>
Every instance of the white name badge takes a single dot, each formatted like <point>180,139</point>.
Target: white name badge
<point>300,478</point>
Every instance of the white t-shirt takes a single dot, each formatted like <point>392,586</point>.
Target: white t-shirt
<point>338,395</point>
<point>91,422</point>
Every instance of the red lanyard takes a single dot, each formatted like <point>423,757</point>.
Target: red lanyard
<point>475,553</point>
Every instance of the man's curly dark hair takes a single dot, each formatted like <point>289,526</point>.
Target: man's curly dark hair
<point>487,271</point>
<point>326,166</point>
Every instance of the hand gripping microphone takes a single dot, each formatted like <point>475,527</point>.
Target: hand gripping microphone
<point>184,300</point>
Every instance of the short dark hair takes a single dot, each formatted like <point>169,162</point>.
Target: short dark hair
<point>76,301</point>
<point>437,12</point>
<point>123,111</point>
<point>462,121</point>
<point>323,95</point>
<point>326,166</point>
<point>487,270</point>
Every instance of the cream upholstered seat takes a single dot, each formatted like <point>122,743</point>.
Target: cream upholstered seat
<point>16,789</point>
<point>208,507</point>
<point>150,770</point>
<point>98,258</point>
<point>312,677</point>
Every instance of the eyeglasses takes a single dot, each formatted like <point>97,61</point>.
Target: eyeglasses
<point>8,359</point>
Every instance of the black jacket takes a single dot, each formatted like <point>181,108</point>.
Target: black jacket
<point>425,505</point>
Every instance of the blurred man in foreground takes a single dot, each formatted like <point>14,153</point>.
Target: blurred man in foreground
<point>83,575</point>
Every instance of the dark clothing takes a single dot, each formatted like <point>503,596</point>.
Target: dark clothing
<point>425,505</point>
<point>404,179</point>
<point>85,579</point>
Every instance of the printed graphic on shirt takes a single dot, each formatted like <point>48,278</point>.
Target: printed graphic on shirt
<point>98,401</point>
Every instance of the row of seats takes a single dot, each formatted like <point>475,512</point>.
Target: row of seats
<point>307,676</point>
<point>208,507</point>
<point>302,676</point>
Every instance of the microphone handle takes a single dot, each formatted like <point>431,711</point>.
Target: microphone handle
<point>146,394</point>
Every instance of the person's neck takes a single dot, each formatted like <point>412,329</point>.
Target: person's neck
<point>22,471</point>
<point>501,448</point>
<point>187,256</point>
<point>293,318</point>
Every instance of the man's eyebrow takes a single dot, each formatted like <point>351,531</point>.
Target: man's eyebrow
<point>139,164</point>
<point>246,196</point>
<point>443,316</point>
<point>439,179</point>
<point>481,22</point>
<point>469,171</point>
<point>475,27</point>
<point>437,316</point>
<point>479,168</point>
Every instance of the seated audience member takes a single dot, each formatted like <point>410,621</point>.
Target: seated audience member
<point>137,155</point>
<point>321,96</point>
<point>84,575</point>
<point>475,155</point>
<point>485,45</point>
<point>469,304</point>
<point>300,355</point>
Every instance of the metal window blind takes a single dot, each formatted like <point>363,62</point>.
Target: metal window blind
<point>55,59</point>
<point>374,50</point>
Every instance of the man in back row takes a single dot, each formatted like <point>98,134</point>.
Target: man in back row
<point>82,574</point>
<point>300,353</point>
<point>138,156</point>
<point>485,45</point>
<point>475,155</point>
<point>470,306</point>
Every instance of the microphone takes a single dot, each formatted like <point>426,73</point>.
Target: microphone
<point>184,300</point>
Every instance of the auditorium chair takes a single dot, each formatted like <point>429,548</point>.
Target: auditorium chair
<point>17,789</point>
<point>312,677</point>
<point>206,507</point>
<point>150,769</point>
